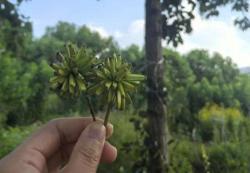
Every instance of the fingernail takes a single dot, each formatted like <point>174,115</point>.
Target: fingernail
<point>97,131</point>
<point>109,130</point>
<point>110,126</point>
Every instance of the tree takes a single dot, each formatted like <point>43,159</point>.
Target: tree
<point>168,19</point>
<point>178,78</point>
<point>215,80</point>
<point>156,129</point>
<point>134,55</point>
<point>15,79</point>
<point>56,36</point>
<point>208,66</point>
<point>14,27</point>
<point>242,88</point>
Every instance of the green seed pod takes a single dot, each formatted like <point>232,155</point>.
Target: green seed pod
<point>114,80</point>
<point>72,70</point>
<point>79,71</point>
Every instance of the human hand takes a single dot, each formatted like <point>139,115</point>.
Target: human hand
<point>68,145</point>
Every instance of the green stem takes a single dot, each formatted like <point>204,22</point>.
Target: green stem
<point>107,114</point>
<point>91,108</point>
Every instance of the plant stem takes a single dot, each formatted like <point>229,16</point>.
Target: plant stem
<point>107,114</point>
<point>91,108</point>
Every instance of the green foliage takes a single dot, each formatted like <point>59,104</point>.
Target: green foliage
<point>215,79</point>
<point>133,54</point>
<point>15,30</point>
<point>206,66</point>
<point>124,134</point>
<point>208,99</point>
<point>229,157</point>
<point>15,80</point>
<point>40,92</point>
<point>11,137</point>
<point>182,157</point>
<point>188,156</point>
<point>27,87</point>
<point>241,92</point>
<point>177,15</point>
<point>219,124</point>
<point>178,80</point>
<point>205,159</point>
<point>83,37</point>
<point>211,8</point>
<point>216,114</point>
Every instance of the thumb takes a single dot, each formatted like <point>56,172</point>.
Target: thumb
<point>88,149</point>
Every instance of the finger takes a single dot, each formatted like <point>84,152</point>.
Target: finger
<point>109,130</point>
<point>109,153</point>
<point>88,149</point>
<point>48,140</point>
<point>60,158</point>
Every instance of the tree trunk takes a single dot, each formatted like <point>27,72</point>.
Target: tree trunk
<point>156,141</point>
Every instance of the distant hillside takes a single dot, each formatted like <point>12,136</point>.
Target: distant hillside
<point>245,70</point>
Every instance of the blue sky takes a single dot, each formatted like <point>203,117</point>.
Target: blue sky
<point>110,14</point>
<point>124,20</point>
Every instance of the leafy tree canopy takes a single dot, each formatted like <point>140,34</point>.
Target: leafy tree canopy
<point>177,15</point>
<point>14,27</point>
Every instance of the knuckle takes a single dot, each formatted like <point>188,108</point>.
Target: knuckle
<point>89,156</point>
<point>53,121</point>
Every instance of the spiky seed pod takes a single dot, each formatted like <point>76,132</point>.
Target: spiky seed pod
<point>77,70</point>
<point>114,82</point>
<point>72,70</point>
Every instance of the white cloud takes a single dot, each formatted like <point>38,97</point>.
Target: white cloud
<point>134,34</point>
<point>219,36</point>
<point>101,30</point>
<point>118,34</point>
<point>137,26</point>
<point>213,35</point>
